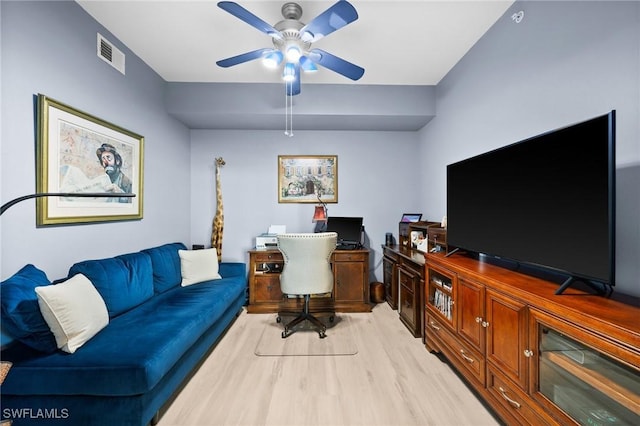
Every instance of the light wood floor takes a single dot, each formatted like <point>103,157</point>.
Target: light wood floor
<point>392,380</point>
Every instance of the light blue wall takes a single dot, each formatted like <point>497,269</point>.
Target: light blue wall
<point>564,63</point>
<point>376,180</point>
<point>50,48</point>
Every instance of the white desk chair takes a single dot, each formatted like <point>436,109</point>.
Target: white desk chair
<point>306,271</point>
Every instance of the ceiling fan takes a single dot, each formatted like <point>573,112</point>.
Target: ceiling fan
<point>292,42</point>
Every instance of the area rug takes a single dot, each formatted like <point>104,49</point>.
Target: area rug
<point>306,342</point>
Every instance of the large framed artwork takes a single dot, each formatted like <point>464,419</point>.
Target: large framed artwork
<point>304,178</point>
<point>79,153</point>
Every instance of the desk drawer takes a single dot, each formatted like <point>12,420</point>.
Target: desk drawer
<point>269,256</point>
<point>348,256</point>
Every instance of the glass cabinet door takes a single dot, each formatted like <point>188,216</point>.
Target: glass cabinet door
<point>586,384</point>
<point>440,296</point>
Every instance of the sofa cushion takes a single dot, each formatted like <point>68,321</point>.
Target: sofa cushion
<point>166,266</point>
<point>123,281</point>
<point>135,351</point>
<point>20,312</point>
<point>74,311</point>
<point>197,266</point>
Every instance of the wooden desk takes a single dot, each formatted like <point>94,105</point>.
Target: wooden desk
<point>350,282</point>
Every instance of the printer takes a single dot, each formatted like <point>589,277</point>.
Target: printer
<point>266,240</point>
<point>269,239</point>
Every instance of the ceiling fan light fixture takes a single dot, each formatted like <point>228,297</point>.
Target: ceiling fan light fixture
<point>289,73</point>
<point>293,53</point>
<point>272,59</point>
<point>307,65</point>
<point>292,40</point>
<point>306,36</point>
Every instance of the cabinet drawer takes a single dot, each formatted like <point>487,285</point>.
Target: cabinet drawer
<point>514,400</point>
<point>411,267</point>
<point>347,256</point>
<point>472,361</point>
<point>268,256</point>
<point>391,255</point>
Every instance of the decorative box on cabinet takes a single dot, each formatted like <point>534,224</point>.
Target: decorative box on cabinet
<point>406,228</point>
<point>350,291</point>
<point>535,357</point>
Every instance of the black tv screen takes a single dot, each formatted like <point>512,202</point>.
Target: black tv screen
<point>547,201</point>
<point>349,229</point>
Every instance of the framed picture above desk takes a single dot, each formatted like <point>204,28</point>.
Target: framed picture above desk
<point>350,282</point>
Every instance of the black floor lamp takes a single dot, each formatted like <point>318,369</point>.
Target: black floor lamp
<point>8,204</point>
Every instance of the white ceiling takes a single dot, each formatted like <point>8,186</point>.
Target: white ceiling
<point>396,42</point>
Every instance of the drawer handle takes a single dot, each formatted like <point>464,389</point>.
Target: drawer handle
<point>513,403</point>
<point>434,326</point>
<point>466,358</point>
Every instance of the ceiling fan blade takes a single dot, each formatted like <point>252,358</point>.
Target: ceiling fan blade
<point>245,57</point>
<point>332,19</point>
<point>243,14</point>
<point>336,64</point>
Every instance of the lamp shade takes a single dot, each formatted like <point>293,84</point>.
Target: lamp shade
<point>319,214</point>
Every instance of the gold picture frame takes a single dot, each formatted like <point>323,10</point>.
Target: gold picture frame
<point>304,178</point>
<point>79,153</point>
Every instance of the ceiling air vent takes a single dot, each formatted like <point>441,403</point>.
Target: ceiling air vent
<point>110,54</point>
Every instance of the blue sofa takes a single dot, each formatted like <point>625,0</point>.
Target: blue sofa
<point>158,332</point>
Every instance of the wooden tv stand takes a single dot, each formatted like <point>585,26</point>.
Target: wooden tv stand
<point>533,356</point>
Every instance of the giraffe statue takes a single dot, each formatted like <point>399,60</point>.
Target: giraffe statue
<point>218,220</point>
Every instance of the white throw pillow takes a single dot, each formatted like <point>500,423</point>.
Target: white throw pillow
<point>73,310</point>
<point>198,266</point>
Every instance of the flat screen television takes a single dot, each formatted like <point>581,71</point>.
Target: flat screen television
<point>547,202</point>
<point>349,230</point>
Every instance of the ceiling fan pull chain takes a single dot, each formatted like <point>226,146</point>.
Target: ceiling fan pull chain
<point>288,110</point>
<point>291,112</point>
